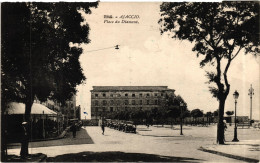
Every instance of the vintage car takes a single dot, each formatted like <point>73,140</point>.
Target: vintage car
<point>120,126</point>
<point>129,127</point>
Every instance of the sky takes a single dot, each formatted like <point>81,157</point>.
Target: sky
<point>147,58</point>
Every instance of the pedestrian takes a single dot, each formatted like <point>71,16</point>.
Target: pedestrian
<point>103,126</point>
<point>74,129</point>
<point>225,127</point>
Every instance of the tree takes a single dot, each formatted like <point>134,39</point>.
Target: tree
<point>40,52</point>
<point>195,113</point>
<point>137,116</point>
<point>229,113</point>
<point>209,115</point>
<point>219,32</point>
<point>215,113</point>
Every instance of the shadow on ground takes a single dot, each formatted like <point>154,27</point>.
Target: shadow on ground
<point>117,157</point>
<point>81,138</point>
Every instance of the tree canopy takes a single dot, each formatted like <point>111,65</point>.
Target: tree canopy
<point>218,31</point>
<point>196,113</point>
<point>39,55</point>
<point>229,113</point>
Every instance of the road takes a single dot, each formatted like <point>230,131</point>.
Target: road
<point>149,144</point>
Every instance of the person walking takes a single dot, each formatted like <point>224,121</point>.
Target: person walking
<point>103,126</point>
<point>74,129</point>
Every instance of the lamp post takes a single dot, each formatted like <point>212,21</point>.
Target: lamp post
<point>181,105</point>
<point>236,94</point>
<point>251,93</point>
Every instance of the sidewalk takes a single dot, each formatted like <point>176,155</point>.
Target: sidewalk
<point>245,150</point>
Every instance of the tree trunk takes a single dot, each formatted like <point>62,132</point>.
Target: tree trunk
<point>26,134</point>
<point>220,130</point>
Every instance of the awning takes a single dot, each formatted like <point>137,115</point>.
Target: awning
<point>19,108</point>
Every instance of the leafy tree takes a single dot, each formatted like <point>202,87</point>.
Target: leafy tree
<point>229,113</point>
<point>209,115</point>
<point>137,116</point>
<point>215,113</point>
<point>195,113</point>
<point>40,52</point>
<point>174,106</point>
<point>219,32</point>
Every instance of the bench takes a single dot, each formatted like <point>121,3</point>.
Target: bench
<point>244,124</point>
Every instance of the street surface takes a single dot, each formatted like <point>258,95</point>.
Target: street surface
<point>155,143</point>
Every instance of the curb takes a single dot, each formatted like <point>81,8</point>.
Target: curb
<point>228,155</point>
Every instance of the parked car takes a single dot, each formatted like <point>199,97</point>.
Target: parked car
<point>129,127</point>
<point>120,126</point>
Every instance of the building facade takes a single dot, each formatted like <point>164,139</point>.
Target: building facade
<point>106,99</point>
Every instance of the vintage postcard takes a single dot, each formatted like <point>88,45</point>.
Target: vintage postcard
<point>130,81</point>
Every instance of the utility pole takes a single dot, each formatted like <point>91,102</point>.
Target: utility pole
<point>251,93</point>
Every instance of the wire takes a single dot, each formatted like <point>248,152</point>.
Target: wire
<point>103,48</point>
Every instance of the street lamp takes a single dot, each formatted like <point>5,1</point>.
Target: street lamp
<point>236,94</point>
<point>251,93</point>
<point>181,105</point>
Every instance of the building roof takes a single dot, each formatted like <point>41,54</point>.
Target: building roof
<point>131,88</point>
<point>19,108</point>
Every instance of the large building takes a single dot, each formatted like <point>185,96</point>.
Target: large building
<point>106,99</point>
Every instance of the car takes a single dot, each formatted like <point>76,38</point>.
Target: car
<point>120,126</point>
<point>129,127</point>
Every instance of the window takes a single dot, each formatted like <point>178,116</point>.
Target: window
<point>118,102</point>
<point>161,94</point>
<point>156,102</point>
<point>147,94</point>
<point>111,102</point>
<point>155,94</point>
<point>141,95</point>
<point>96,95</point>
<point>133,95</point>
<point>104,102</point>
<point>126,102</point>
<point>96,103</point>
<point>111,109</point>
<point>126,94</point>
<point>111,95</point>
<point>147,102</point>
<point>133,102</point>
<point>140,102</point>
<point>104,95</point>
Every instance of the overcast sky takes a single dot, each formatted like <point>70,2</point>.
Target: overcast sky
<point>147,58</point>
